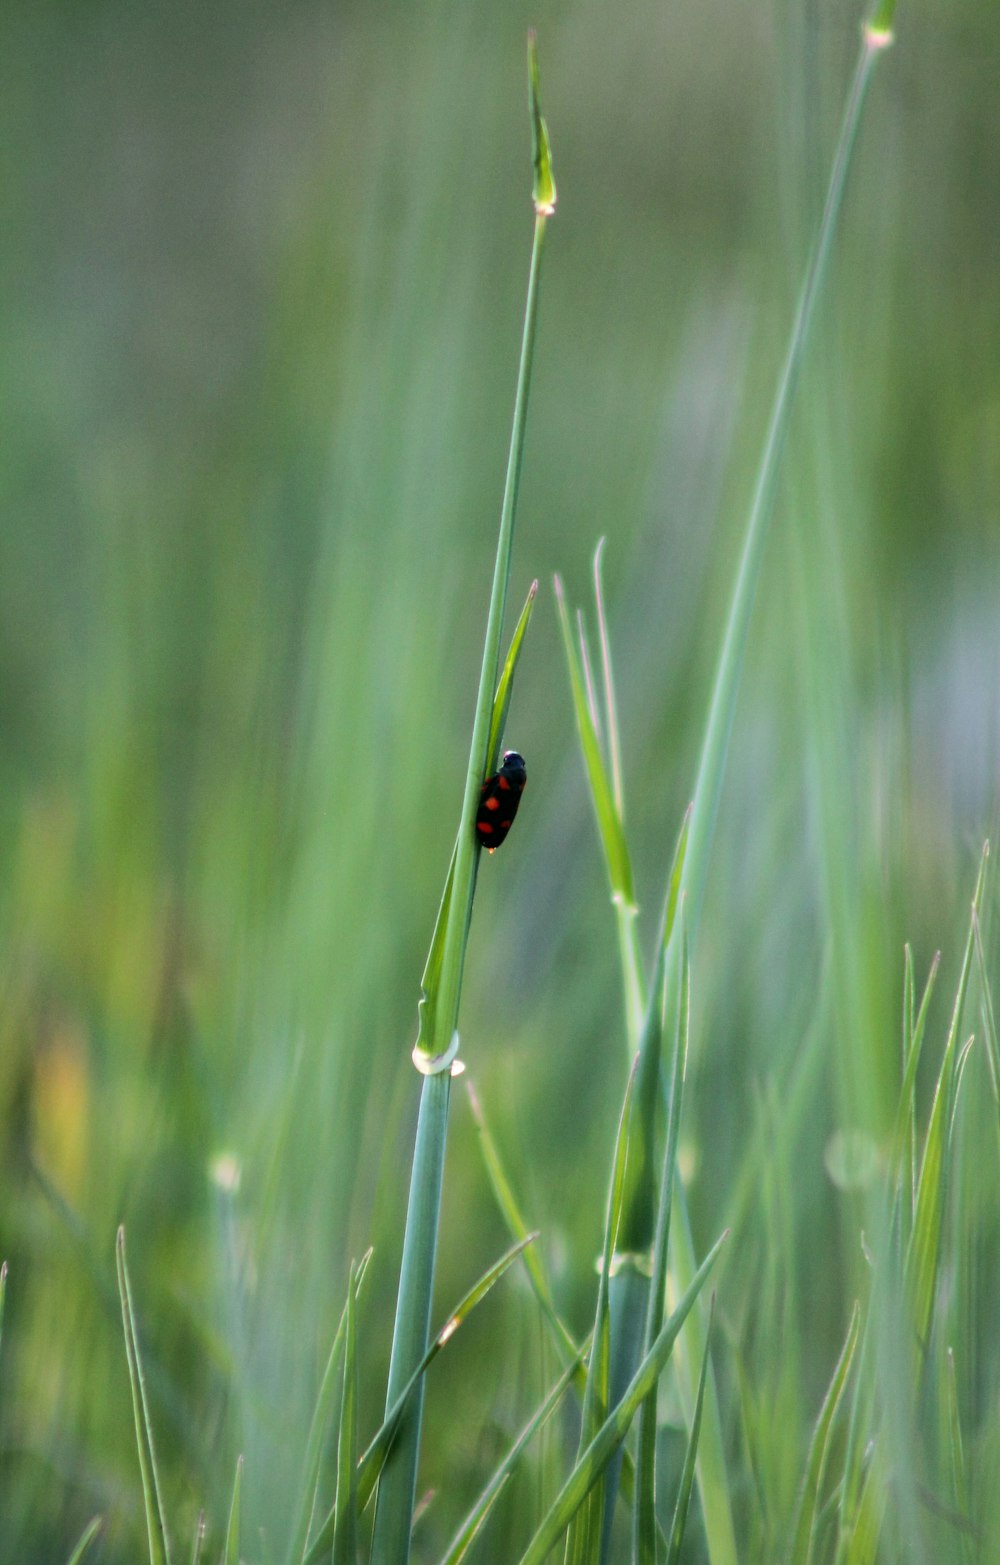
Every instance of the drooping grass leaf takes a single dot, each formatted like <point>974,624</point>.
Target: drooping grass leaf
<point>159,1542</point>
<point>801,1552</point>
<point>87,1537</point>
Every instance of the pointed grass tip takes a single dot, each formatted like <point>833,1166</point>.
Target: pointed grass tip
<point>544,191</point>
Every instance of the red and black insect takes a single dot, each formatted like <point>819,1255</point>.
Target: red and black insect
<point>499,799</point>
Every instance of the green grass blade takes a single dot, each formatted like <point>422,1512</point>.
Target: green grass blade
<point>644,1535</point>
<point>318,1428</point>
<point>801,1552</point>
<point>679,1524</point>
<point>593,1461</point>
<point>198,1541</point>
<point>231,1551</point>
<point>583,1540</point>
<point>903,1156</point>
<point>474,1522</point>
<point>394,1507</point>
<point>3,1296</point>
<point>956,1452</point>
<point>505,686</point>
<point>87,1537</point>
<point>608,683</point>
<point>511,1212</point>
<point>987,1012</point>
<point>374,1459</point>
<point>609,826</point>
<point>345,1531</point>
<point>924,1251</point>
<point>159,1542</point>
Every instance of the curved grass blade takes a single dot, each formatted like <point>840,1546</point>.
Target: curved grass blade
<point>231,1552</point>
<point>903,1156</point>
<point>802,1540</point>
<point>372,1462</point>
<point>318,1427</point>
<point>159,1542</point>
<point>679,1523</point>
<point>87,1537</point>
<point>473,1524</point>
<point>592,1463</point>
<point>345,1531</point>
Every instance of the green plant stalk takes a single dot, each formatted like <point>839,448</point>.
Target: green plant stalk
<point>712,1480</point>
<point>394,1505</point>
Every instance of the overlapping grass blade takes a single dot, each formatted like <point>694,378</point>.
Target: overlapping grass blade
<point>373,1460</point>
<point>801,1551</point>
<point>87,1537</point>
<point>584,1537</point>
<point>678,1526</point>
<point>159,1541</point>
<point>231,1550</point>
<point>924,1250</point>
<point>345,1531</point>
<point>903,1158</point>
<point>594,1460</point>
<point>473,1524</point>
<point>319,1424</point>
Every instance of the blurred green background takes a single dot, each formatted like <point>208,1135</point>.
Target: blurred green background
<point>263,284</point>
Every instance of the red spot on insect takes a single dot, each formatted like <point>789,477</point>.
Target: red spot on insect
<point>492,803</point>
<point>484,826</point>
<point>502,782</point>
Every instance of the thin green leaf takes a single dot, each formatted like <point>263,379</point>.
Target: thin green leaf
<point>504,690</point>
<point>3,1295</point>
<point>903,1155</point>
<point>318,1428</point>
<point>924,1250</point>
<point>87,1537</point>
<point>592,1463</point>
<point>679,1523</point>
<point>802,1538</point>
<point>345,1531</point>
<point>198,1541</point>
<point>159,1542</point>
<point>959,1482</point>
<point>512,1215</point>
<point>986,1010</point>
<point>372,1462</point>
<point>231,1552</point>
<point>607,678</point>
<point>473,1524</point>
<point>616,854</point>
<point>644,1535</point>
<point>583,1540</point>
